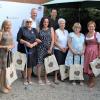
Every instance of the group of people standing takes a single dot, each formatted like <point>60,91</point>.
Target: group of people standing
<point>38,40</point>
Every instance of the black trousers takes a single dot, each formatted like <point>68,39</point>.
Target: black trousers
<point>60,56</point>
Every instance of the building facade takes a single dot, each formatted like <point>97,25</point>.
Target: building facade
<point>29,1</point>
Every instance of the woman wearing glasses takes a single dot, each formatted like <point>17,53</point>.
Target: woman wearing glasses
<point>27,42</point>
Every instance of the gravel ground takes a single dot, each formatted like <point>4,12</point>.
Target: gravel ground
<point>64,91</point>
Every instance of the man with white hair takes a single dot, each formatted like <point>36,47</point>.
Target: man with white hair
<point>35,23</point>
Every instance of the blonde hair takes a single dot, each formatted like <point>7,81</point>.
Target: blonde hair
<point>5,22</point>
<point>91,22</point>
<point>76,25</point>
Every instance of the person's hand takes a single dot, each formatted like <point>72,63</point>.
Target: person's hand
<point>62,49</point>
<point>65,49</point>
<point>35,44</point>
<point>49,51</point>
<point>81,53</point>
<point>10,47</point>
<point>38,40</point>
<point>75,52</point>
<point>28,44</point>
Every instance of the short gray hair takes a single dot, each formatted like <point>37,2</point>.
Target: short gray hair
<point>61,20</point>
<point>33,9</point>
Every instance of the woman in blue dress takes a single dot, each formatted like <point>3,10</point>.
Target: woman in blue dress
<point>27,38</point>
<point>76,47</point>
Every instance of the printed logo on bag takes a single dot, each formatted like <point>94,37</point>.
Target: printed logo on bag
<point>50,64</point>
<point>98,66</point>
<point>77,73</point>
<point>12,74</point>
<point>19,61</point>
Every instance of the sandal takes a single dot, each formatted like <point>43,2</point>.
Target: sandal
<point>48,82</point>
<point>74,83</point>
<point>30,82</point>
<point>81,83</point>
<point>41,82</point>
<point>25,83</point>
<point>56,82</point>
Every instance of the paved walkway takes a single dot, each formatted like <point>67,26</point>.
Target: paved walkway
<point>63,91</point>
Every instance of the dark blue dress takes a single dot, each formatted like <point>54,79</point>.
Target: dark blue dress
<point>30,36</point>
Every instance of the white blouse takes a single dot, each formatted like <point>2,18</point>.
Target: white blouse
<point>97,37</point>
<point>62,37</point>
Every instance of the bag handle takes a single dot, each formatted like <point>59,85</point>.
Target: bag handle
<point>27,51</point>
<point>74,59</point>
<point>9,58</point>
<point>0,35</point>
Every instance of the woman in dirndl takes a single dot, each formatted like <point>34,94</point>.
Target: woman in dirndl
<point>6,44</point>
<point>92,51</point>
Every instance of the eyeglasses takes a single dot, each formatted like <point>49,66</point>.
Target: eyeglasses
<point>7,27</point>
<point>28,21</point>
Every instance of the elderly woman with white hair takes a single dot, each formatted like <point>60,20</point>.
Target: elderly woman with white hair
<point>61,48</point>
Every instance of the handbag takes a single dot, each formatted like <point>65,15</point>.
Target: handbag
<point>11,74</point>
<point>64,72</point>
<point>76,71</point>
<point>51,64</point>
<point>19,60</point>
<point>95,65</point>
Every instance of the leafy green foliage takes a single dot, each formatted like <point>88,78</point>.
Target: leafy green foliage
<point>82,15</point>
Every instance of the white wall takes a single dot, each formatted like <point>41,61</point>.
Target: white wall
<point>16,12</point>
